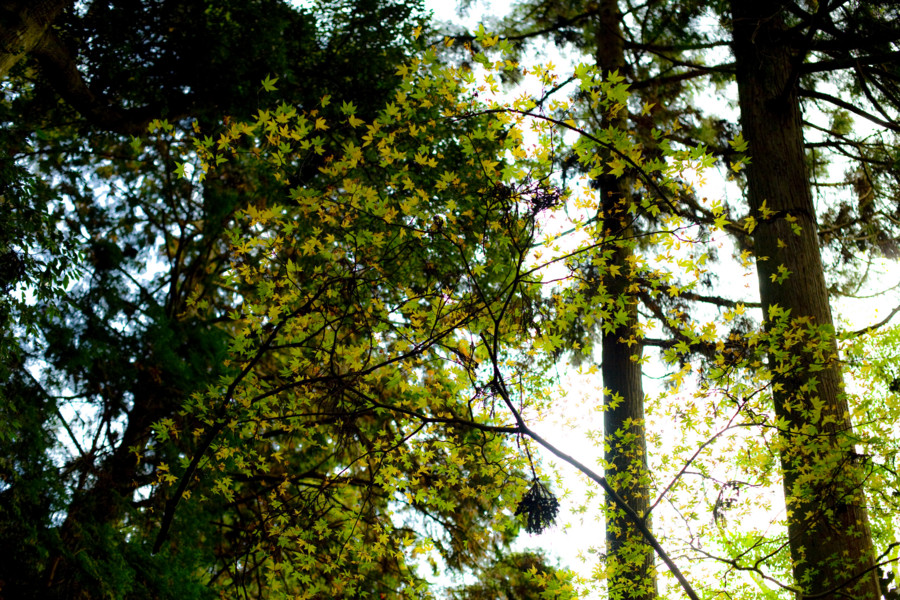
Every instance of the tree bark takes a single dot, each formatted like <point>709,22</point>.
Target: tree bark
<point>25,29</point>
<point>632,573</point>
<point>22,25</point>
<point>830,540</point>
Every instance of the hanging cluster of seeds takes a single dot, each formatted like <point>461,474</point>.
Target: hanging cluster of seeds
<point>540,507</point>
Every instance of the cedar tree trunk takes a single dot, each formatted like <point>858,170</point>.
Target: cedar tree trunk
<point>632,576</point>
<point>830,540</point>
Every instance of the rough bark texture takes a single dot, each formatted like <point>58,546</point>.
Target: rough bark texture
<point>22,25</point>
<point>633,575</point>
<point>830,540</point>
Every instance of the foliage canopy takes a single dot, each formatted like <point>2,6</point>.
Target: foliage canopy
<point>332,379</point>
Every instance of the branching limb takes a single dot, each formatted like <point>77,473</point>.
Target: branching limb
<point>849,107</point>
<point>877,325</point>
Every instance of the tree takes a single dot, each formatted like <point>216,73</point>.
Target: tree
<point>831,545</point>
<point>25,27</point>
<point>625,454</point>
<point>822,477</point>
<point>386,210</point>
<point>595,29</point>
<point>124,349</point>
<point>343,356</point>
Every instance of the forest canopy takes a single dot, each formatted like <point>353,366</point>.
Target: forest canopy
<point>291,293</point>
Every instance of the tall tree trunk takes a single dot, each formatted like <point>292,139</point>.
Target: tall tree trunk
<point>830,540</point>
<point>632,574</point>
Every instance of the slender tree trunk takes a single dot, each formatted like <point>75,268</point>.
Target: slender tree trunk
<point>106,502</point>
<point>632,575</point>
<point>830,540</point>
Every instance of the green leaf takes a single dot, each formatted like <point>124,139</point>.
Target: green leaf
<point>268,84</point>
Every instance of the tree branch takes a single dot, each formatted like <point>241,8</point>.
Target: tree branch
<point>849,107</point>
<point>877,325</point>
<point>849,62</point>
<point>59,67</point>
<point>22,25</point>
<point>637,520</point>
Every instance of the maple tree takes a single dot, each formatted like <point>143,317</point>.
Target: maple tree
<point>738,379</point>
<point>396,317</point>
